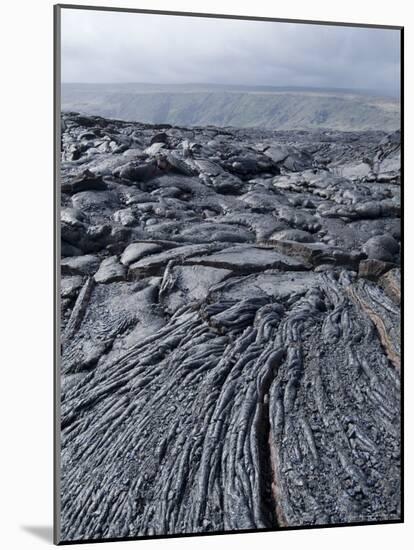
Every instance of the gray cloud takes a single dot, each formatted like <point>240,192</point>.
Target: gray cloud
<point>117,47</point>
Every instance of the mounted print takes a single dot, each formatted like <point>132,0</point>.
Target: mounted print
<point>228,266</point>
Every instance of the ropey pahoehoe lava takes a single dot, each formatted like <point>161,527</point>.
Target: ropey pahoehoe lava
<point>230,328</point>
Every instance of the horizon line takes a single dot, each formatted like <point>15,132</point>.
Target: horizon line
<point>384,93</point>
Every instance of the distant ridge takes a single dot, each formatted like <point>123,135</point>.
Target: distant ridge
<point>206,86</point>
<point>284,108</point>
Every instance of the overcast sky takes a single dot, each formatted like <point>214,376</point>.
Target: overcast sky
<point>100,46</point>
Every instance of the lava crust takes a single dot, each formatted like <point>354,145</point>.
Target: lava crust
<point>229,328</point>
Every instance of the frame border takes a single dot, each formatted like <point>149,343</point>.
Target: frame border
<point>56,274</point>
<point>57,8</point>
<point>227,16</point>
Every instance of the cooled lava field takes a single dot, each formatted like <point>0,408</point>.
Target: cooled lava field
<point>230,328</point>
